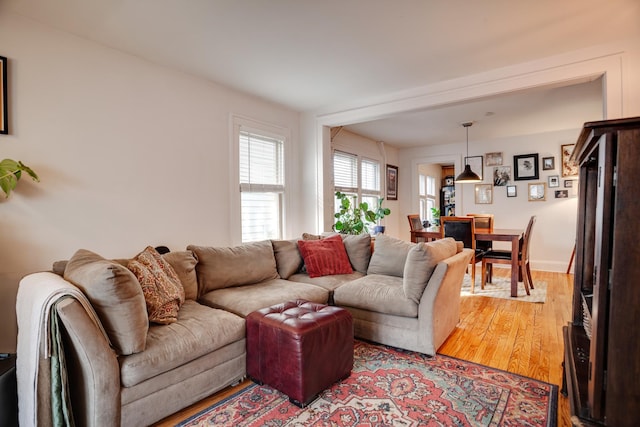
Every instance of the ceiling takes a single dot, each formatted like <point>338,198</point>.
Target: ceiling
<point>311,55</point>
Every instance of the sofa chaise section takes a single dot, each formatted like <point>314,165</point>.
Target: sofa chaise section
<point>404,309</point>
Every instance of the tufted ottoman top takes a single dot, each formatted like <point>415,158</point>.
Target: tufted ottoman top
<point>297,316</point>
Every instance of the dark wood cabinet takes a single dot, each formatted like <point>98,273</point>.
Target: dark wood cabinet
<point>602,341</point>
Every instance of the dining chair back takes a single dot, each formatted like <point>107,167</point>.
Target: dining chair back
<point>462,228</point>
<point>484,222</point>
<point>505,257</point>
<point>414,222</point>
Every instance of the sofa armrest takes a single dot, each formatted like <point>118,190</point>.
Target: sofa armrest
<point>439,309</point>
<point>93,369</point>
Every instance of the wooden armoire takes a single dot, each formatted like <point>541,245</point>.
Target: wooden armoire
<point>602,341</point>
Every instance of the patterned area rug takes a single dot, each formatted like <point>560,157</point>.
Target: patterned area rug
<point>501,288</point>
<point>390,387</point>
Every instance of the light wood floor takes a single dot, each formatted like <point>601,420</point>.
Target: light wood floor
<point>520,337</point>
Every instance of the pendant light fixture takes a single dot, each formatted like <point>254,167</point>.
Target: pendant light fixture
<point>467,175</point>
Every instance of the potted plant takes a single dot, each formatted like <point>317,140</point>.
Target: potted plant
<point>354,218</point>
<point>376,215</point>
<point>435,212</point>
<point>10,173</point>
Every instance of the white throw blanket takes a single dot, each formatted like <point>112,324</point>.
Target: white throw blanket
<point>37,295</point>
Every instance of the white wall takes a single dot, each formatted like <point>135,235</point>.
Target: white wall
<point>554,232</point>
<point>129,154</point>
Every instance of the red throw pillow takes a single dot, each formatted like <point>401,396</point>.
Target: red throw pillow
<point>325,257</point>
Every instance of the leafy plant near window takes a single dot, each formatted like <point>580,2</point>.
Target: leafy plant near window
<point>354,218</point>
<point>10,173</point>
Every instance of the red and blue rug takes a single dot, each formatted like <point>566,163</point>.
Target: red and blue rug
<point>391,387</point>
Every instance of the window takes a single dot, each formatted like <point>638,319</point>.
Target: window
<point>427,196</point>
<point>262,189</point>
<point>357,176</point>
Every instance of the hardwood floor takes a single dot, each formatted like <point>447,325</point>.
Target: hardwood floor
<point>520,337</point>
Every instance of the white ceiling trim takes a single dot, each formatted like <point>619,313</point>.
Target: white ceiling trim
<point>607,66</point>
<point>484,85</point>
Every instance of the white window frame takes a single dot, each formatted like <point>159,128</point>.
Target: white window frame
<point>238,124</point>
<point>427,191</point>
<point>358,190</point>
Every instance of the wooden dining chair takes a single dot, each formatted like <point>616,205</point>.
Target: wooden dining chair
<point>415,223</point>
<point>484,222</point>
<point>462,228</point>
<point>505,257</point>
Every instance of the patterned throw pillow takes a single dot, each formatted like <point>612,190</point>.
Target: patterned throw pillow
<point>325,257</point>
<point>161,287</point>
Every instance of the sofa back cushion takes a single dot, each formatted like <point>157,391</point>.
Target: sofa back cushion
<point>420,264</point>
<point>358,248</point>
<point>184,264</point>
<point>225,267</point>
<point>389,256</point>
<point>288,258</point>
<point>116,296</point>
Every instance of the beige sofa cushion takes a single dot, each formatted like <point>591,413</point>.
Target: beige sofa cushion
<point>242,300</point>
<point>116,296</point>
<point>359,250</point>
<point>379,293</point>
<point>389,256</point>
<point>225,267</point>
<point>288,258</point>
<point>421,261</point>
<point>198,331</point>
<point>184,264</point>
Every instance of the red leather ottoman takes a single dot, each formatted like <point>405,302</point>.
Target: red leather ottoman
<point>299,348</point>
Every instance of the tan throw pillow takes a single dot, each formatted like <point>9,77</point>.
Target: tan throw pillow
<point>161,287</point>
<point>420,264</point>
<point>115,295</point>
<point>389,256</point>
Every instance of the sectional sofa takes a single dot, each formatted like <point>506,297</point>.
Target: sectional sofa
<point>123,369</point>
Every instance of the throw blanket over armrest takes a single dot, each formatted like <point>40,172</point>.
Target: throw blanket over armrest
<point>37,295</point>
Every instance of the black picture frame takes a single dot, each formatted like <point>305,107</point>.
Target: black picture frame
<point>512,191</point>
<point>525,167</point>
<point>392,182</point>
<point>4,115</point>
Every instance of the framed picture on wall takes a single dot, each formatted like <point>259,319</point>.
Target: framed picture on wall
<point>537,192</point>
<point>548,163</point>
<point>512,191</point>
<point>392,182</point>
<point>501,175</point>
<point>484,194</point>
<point>569,167</point>
<point>526,166</point>
<point>554,181</point>
<point>493,159</point>
<point>4,125</point>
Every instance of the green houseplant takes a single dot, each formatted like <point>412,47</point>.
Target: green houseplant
<point>10,173</point>
<point>435,212</point>
<point>353,217</point>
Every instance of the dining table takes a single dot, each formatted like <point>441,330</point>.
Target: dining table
<point>512,235</point>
